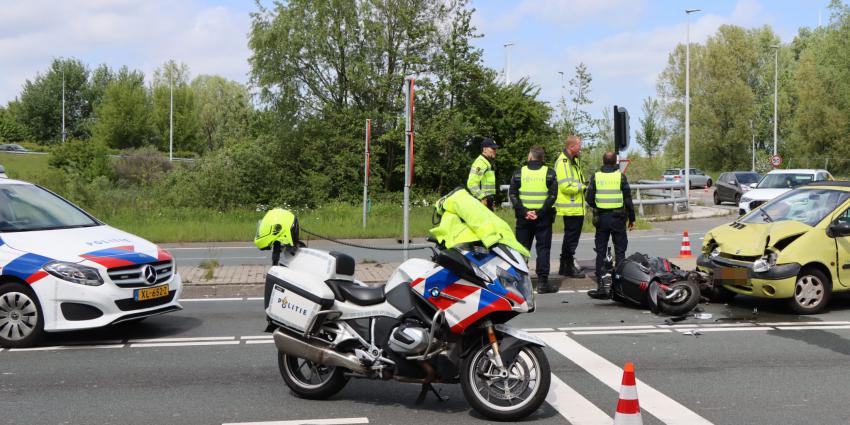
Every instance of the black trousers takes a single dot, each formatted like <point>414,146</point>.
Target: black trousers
<point>541,231</point>
<point>613,226</point>
<point>572,233</point>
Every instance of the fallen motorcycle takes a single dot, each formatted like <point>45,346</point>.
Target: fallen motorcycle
<point>651,282</point>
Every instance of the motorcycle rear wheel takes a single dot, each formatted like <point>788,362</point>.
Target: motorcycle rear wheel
<point>309,380</point>
<point>508,398</point>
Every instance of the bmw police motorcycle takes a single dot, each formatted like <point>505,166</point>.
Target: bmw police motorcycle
<point>439,321</point>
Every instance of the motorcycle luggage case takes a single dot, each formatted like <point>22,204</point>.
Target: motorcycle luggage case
<point>293,298</point>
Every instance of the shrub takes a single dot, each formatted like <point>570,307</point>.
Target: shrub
<point>143,166</point>
<point>85,159</point>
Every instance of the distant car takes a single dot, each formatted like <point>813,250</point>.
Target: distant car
<point>11,147</point>
<point>776,183</point>
<point>732,185</point>
<point>698,177</point>
<point>3,172</point>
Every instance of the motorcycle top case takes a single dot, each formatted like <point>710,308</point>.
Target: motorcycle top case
<point>293,298</point>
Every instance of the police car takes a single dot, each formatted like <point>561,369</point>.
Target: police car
<point>62,269</point>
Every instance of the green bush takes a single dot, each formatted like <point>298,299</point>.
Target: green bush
<point>140,167</point>
<point>83,159</point>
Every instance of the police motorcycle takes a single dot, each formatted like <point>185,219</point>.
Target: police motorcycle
<point>439,321</point>
<point>651,282</point>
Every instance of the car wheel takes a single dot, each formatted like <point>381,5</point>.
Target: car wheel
<point>708,183</point>
<point>812,292</point>
<point>737,199</point>
<point>21,319</point>
<point>716,198</point>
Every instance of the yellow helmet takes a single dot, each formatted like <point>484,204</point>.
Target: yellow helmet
<point>278,225</point>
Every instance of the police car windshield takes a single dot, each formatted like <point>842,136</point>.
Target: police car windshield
<point>808,206</point>
<point>25,208</point>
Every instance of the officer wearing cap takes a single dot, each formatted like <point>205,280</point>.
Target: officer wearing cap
<point>482,175</point>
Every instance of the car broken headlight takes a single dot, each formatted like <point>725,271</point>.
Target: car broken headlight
<point>765,263</point>
<point>76,273</point>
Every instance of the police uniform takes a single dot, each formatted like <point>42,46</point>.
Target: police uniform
<point>570,205</point>
<point>609,194</point>
<point>482,176</point>
<point>534,187</point>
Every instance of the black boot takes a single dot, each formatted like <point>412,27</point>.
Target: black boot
<point>571,271</point>
<point>543,286</point>
<point>562,268</point>
<point>602,291</point>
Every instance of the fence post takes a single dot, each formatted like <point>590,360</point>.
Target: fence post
<point>640,204</point>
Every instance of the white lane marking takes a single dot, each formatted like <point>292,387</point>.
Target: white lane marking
<point>254,299</point>
<point>66,347</point>
<point>800,328</point>
<point>606,328</point>
<point>190,300</point>
<point>183,344</point>
<point>751,328</point>
<point>207,248</point>
<point>194,339</point>
<point>624,332</point>
<point>335,421</point>
<point>804,323</point>
<point>222,257</point>
<point>538,329</point>
<point>260,341</point>
<point>651,400</point>
<point>256,337</point>
<point>573,406</point>
<point>567,291</point>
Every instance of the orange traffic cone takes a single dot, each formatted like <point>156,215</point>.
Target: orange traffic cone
<point>628,408</point>
<point>706,188</point>
<point>685,251</point>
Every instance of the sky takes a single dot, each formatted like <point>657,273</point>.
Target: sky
<point>624,43</point>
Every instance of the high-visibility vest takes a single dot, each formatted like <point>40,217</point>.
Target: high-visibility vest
<point>482,178</point>
<point>571,185</point>
<point>532,189</point>
<point>608,193</point>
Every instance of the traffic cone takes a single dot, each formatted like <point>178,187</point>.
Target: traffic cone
<point>628,408</point>
<point>685,250</point>
<point>706,188</point>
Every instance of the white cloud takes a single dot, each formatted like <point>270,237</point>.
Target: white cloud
<point>570,13</point>
<point>138,33</point>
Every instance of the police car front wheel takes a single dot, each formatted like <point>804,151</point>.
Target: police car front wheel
<point>21,319</point>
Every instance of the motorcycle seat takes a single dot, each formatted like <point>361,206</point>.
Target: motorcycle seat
<point>358,294</point>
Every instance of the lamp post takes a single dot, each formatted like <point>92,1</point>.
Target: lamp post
<point>753,131</point>
<point>775,48</point>
<point>508,62</point>
<point>63,102</point>
<point>171,115</point>
<point>562,103</point>
<point>688,104</point>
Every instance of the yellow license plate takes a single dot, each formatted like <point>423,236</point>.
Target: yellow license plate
<point>151,293</point>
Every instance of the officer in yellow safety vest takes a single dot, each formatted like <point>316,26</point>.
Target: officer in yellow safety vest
<point>570,203</point>
<point>611,198</point>
<point>533,190</point>
<point>482,175</point>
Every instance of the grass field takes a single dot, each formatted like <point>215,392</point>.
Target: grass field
<point>31,168</point>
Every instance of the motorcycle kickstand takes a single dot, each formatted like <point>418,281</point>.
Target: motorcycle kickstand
<point>424,393</point>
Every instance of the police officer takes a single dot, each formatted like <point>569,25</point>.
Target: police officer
<point>570,203</point>
<point>609,195</point>
<point>482,176</point>
<point>532,193</point>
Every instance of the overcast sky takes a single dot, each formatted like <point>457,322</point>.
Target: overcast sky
<point>624,43</point>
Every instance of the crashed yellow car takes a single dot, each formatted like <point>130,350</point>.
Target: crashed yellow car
<point>795,247</point>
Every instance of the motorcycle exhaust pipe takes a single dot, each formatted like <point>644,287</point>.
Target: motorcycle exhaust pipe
<point>298,348</point>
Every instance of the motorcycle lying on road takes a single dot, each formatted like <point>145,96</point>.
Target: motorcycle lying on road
<point>651,282</point>
<point>438,321</point>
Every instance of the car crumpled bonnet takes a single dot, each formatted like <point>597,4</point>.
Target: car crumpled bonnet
<point>746,239</point>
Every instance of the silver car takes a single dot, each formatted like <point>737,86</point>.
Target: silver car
<point>698,177</point>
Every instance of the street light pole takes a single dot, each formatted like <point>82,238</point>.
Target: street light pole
<point>63,101</point>
<point>775,96</point>
<point>508,62</point>
<point>688,104</point>
<point>753,131</point>
<point>171,115</point>
<point>562,104</point>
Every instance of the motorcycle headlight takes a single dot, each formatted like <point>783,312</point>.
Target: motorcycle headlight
<point>75,273</point>
<point>519,286</point>
<point>765,263</point>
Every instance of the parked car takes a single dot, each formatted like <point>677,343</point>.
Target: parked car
<point>730,186</point>
<point>3,172</point>
<point>698,177</point>
<point>62,269</point>
<point>778,182</point>
<point>11,147</point>
<point>795,247</point>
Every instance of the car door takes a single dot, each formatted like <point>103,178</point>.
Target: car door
<point>722,187</point>
<point>842,245</point>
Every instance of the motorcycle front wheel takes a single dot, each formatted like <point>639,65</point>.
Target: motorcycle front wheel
<point>686,298</point>
<point>508,395</point>
<point>310,380</point>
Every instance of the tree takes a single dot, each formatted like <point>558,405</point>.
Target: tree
<point>41,101</point>
<point>185,118</point>
<point>10,129</point>
<point>650,136</point>
<point>574,118</point>
<point>223,109</point>
<point>123,115</point>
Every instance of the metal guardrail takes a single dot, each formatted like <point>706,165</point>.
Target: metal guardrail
<point>176,159</point>
<point>666,193</point>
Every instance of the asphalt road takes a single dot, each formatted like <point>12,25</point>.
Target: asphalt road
<point>211,364</point>
<point>665,241</point>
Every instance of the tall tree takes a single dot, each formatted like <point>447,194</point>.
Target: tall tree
<point>223,109</point>
<point>185,118</point>
<point>123,115</point>
<point>41,101</point>
<point>650,136</point>
<point>575,119</point>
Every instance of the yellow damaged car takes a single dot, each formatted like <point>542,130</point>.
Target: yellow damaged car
<point>795,247</point>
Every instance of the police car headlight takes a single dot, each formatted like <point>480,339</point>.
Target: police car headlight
<point>75,273</point>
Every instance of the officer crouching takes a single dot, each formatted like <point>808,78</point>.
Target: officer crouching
<point>610,198</point>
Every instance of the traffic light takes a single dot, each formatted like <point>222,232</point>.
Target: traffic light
<point>621,128</point>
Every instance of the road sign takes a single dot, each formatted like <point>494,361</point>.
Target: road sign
<point>776,161</point>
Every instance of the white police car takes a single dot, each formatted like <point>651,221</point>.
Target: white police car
<point>62,269</point>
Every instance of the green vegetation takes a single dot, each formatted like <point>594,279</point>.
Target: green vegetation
<point>25,167</point>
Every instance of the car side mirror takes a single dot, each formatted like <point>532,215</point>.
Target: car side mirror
<point>731,181</point>
<point>753,185</point>
<point>838,229</point>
